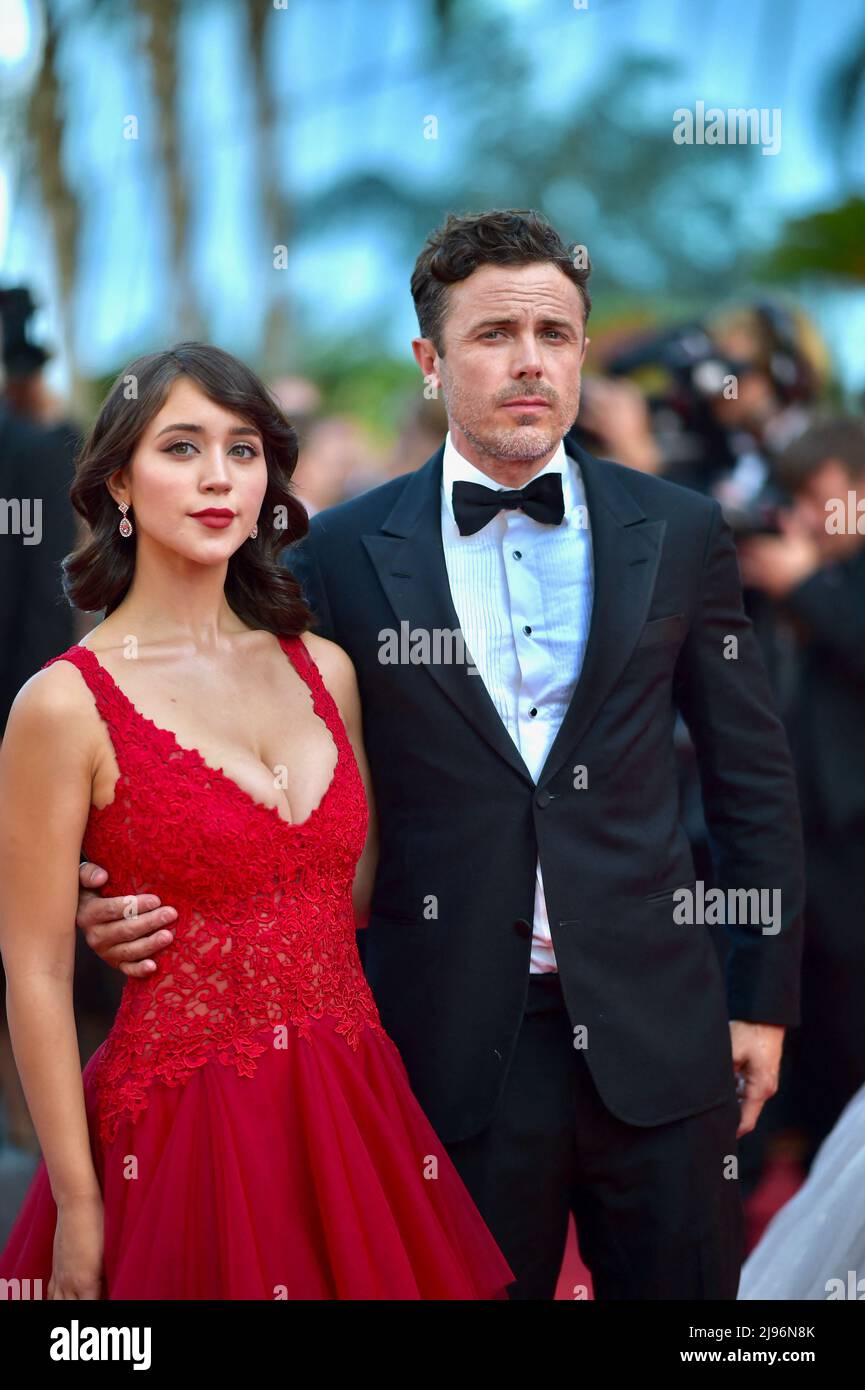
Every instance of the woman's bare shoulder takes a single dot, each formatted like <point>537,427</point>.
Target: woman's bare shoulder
<point>54,704</point>
<point>336,667</point>
<point>49,752</point>
<point>326,653</point>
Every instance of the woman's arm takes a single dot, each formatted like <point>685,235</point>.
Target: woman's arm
<point>46,765</point>
<point>337,670</point>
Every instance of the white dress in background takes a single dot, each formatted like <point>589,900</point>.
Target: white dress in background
<point>814,1247</point>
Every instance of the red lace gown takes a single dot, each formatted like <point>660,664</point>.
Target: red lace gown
<point>253,1127</point>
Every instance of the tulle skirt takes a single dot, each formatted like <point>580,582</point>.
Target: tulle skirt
<point>319,1177</point>
<point>814,1247</point>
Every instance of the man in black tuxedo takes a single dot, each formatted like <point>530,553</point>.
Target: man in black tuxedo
<point>567,1036</point>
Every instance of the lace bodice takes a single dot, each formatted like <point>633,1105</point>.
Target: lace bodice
<point>265,934</point>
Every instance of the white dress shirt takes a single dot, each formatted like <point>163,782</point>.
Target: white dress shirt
<point>523,591</point>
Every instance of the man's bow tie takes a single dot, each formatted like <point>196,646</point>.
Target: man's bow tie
<point>475,505</point>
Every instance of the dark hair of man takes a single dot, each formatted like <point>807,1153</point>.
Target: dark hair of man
<point>511,236</point>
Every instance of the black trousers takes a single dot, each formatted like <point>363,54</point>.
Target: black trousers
<point>657,1209</point>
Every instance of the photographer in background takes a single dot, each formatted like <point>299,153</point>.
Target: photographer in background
<point>720,400</point>
<point>708,404</point>
<point>815,569</point>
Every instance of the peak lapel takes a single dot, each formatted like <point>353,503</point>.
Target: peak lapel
<point>409,560</point>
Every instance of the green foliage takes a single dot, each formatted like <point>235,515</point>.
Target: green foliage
<point>830,242</point>
<point>370,386</point>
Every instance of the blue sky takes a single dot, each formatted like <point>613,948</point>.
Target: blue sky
<point>356,79</point>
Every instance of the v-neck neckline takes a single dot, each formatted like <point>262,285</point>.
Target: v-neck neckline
<point>217,772</point>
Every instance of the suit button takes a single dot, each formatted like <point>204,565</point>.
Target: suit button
<point>522,927</point>
<point>543,798</point>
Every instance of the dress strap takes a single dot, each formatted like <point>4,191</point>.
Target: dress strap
<point>322,701</point>
<point>110,702</point>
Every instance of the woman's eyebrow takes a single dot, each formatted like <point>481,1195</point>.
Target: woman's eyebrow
<point>199,429</point>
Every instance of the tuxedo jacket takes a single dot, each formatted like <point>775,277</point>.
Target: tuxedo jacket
<point>462,822</point>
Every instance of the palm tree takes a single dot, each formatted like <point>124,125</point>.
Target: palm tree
<point>277,222</point>
<point>161,24</point>
<point>830,242</point>
<point>45,116</point>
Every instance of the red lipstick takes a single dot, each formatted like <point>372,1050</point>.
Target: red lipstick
<point>215,517</point>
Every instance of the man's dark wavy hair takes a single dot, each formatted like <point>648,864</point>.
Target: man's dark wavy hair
<point>511,236</point>
<point>98,573</point>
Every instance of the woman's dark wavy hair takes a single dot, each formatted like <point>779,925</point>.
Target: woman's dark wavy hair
<point>98,573</point>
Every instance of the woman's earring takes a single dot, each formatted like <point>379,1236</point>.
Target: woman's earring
<point>125,527</point>
<point>254,532</point>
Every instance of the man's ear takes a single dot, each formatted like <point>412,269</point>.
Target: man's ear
<point>426,356</point>
<point>586,342</point>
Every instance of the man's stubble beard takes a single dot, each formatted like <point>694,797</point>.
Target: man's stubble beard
<point>526,443</point>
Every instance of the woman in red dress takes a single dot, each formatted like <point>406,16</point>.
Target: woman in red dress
<point>248,1129</point>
